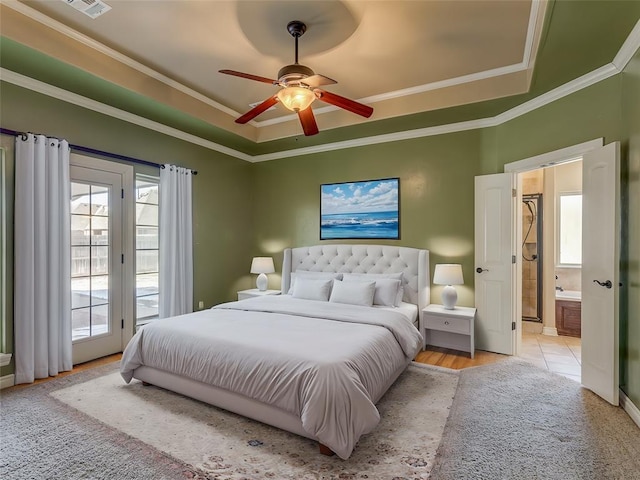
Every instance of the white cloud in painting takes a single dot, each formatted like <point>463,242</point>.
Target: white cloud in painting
<point>376,196</point>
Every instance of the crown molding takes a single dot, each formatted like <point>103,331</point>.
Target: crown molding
<point>59,27</point>
<point>377,139</point>
<point>625,54</point>
<point>568,88</point>
<point>90,104</point>
<point>536,19</point>
<point>34,14</point>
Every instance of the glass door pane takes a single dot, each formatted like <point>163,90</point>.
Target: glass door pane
<point>90,260</point>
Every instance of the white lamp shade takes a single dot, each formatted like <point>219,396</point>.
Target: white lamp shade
<point>448,274</point>
<point>262,265</point>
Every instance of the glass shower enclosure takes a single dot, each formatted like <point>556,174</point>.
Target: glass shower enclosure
<point>532,257</point>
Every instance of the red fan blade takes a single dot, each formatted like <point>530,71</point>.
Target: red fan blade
<point>342,102</point>
<point>308,121</point>
<point>255,111</point>
<point>249,76</point>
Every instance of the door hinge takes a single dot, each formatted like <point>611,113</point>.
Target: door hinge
<point>513,325</point>
<point>513,259</point>
<point>122,324</point>
<point>514,192</point>
<point>122,258</point>
<point>122,193</point>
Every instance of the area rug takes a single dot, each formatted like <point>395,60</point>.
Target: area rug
<point>513,420</point>
<point>184,438</point>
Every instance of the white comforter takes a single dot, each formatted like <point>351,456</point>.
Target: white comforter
<point>326,372</point>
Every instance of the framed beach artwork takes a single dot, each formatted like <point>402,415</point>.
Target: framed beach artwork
<point>360,210</point>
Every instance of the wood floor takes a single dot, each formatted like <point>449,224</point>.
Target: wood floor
<point>76,369</point>
<point>444,357</point>
<point>441,357</point>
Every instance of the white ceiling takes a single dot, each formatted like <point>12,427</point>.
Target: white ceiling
<point>399,57</point>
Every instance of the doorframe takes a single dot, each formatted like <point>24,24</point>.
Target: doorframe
<point>548,159</point>
<point>128,233</point>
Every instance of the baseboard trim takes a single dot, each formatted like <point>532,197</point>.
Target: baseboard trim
<point>7,381</point>
<point>5,359</point>
<point>551,331</point>
<point>630,408</point>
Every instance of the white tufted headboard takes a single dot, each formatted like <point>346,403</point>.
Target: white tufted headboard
<point>412,262</point>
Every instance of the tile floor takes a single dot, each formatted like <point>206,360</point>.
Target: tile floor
<point>560,354</point>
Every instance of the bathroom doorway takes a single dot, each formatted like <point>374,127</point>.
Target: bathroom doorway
<point>550,281</point>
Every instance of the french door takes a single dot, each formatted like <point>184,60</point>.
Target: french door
<point>600,271</point>
<point>98,272</point>
<point>494,263</point>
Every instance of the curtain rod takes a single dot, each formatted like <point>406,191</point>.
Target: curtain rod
<point>115,156</point>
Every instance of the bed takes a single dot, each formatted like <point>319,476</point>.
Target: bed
<point>307,365</point>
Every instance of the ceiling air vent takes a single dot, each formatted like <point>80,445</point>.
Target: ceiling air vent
<point>91,8</point>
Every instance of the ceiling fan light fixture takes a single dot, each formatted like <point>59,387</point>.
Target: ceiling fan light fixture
<point>296,99</point>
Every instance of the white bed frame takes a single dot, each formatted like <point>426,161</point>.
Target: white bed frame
<point>413,263</point>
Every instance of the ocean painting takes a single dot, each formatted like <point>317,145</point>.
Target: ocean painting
<point>367,209</point>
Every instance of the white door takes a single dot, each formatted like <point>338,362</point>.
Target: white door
<point>600,276</point>
<point>495,279</point>
<point>96,263</point>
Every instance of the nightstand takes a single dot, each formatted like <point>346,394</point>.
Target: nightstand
<point>254,292</point>
<point>449,328</point>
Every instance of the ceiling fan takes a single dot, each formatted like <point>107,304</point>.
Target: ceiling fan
<point>299,89</point>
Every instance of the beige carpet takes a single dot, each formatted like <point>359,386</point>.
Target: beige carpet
<point>227,446</point>
<point>515,421</point>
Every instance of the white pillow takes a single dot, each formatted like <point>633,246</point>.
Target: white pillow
<point>313,275</point>
<point>388,291</point>
<point>353,293</point>
<point>367,277</point>
<point>312,289</point>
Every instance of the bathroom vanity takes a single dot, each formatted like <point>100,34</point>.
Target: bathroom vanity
<point>568,313</point>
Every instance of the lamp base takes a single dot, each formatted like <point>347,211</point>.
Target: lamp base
<point>449,297</point>
<point>261,282</point>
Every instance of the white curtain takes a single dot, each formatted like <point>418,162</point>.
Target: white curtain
<point>42,310</point>
<point>176,242</point>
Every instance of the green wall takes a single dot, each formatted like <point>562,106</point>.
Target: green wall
<point>222,196</point>
<point>436,197</point>
<point>437,180</point>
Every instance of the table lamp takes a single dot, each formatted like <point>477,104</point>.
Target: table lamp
<point>262,265</point>
<point>448,274</point>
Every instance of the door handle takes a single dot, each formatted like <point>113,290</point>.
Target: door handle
<point>607,284</point>
<point>480,270</point>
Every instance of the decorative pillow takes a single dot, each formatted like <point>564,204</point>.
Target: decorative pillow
<point>389,289</point>
<point>313,275</point>
<point>353,293</point>
<point>312,289</point>
<point>386,292</point>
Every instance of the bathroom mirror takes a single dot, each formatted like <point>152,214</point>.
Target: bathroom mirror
<point>569,233</point>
